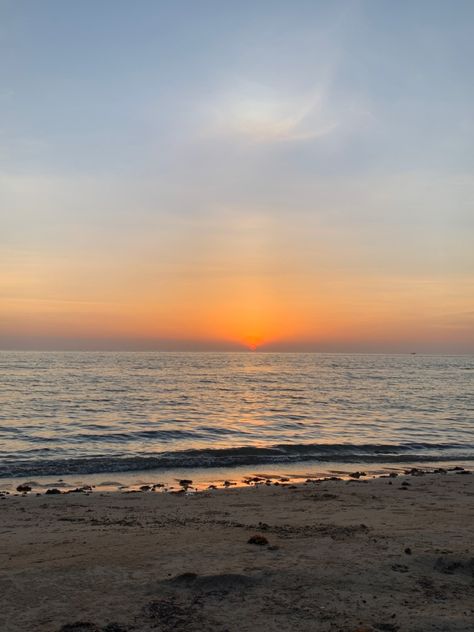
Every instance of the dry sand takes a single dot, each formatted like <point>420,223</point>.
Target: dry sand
<point>348,556</point>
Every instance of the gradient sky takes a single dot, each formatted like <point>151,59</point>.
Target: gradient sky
<point>212,174</point>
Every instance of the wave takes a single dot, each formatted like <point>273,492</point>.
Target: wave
<point>242,456</point>
<point>202,432</point>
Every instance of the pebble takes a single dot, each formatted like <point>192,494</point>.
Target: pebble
<point>23,488</point>
<point>185,482</point>
<point>260,540</point>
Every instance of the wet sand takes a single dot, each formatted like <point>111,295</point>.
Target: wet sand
<point>362,555</point>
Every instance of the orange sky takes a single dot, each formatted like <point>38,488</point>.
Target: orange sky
<point>248,290</point>
<point>236,176</point>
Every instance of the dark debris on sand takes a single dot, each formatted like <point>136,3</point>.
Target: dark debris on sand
<point>23,488</point>
<point>450,566</point>
<point>87,626</point>
<point>257,539</point>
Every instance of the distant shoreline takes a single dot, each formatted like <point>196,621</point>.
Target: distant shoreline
<point>244,351</point>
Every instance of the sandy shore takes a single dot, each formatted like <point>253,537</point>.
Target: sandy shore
<point>350,556</point>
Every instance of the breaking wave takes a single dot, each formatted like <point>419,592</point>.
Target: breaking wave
<point>241,456</point>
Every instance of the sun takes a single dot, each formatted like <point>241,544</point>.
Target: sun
<point>252,342</point>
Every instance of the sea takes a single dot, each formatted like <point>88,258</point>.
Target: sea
<point>144,416</point>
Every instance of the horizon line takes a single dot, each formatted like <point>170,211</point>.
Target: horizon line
<point>242,351</point>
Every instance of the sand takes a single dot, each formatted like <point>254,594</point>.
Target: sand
<point>349,556</point>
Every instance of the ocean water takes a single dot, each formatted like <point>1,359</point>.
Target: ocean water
<point>85,413</point>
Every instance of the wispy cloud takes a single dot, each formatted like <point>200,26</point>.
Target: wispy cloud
<point>259,114</point>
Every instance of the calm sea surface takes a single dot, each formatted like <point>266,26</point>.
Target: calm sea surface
<point>71,412</point>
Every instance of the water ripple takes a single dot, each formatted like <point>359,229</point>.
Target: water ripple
<point>126,407</point>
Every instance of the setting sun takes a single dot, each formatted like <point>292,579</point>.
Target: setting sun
<point>253,342</point>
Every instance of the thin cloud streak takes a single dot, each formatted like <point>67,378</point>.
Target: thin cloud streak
<point>260,115</point>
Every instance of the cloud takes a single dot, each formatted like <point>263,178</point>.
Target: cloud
<point>258,114</point>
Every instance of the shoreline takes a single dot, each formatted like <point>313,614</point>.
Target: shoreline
<point>217,477</point>
<point>357,555</point>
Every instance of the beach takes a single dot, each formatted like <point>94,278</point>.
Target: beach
<point>357,555</point>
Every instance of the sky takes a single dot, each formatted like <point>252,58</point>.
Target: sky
<point>236,175</point>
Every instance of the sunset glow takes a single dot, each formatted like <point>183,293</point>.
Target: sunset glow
<point>318,199</point>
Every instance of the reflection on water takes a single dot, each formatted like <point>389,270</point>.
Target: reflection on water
<point>109,406</point>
